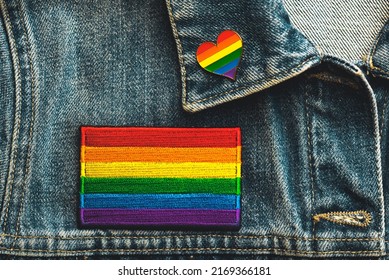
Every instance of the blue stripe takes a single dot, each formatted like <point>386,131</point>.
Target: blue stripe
<point>161,201</point>
<point>227,67</point>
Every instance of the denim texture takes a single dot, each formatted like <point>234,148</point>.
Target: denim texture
<point>346,29</point>
<point>311,125</point>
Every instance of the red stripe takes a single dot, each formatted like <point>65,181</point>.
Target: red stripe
<point>204,47</point>
<point>159,137</point>
<point>83,133</point>
<point>225,35</point>
<point>222,36</point>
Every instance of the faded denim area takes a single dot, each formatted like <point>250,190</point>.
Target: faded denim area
<point>346,29</point>
<point>314,164</point>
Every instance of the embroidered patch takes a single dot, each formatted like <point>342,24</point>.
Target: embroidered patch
<point>139,176</point>
<point>224,57</point>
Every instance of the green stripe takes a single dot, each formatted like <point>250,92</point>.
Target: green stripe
<point>82,183</point>
<point>160,185</point>
<point>224,61</point>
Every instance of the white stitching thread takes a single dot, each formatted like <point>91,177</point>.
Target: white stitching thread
<point>31,129</point>
<point>17,116</point>
<point>196,236</point>
<point>286,251</point>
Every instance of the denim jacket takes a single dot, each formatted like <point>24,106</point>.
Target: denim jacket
<point>314,134</point>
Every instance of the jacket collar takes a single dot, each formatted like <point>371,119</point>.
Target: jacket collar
<point>273,49</point>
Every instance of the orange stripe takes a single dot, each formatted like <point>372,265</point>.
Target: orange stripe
<point>222,45</point>
<point>159,154</point>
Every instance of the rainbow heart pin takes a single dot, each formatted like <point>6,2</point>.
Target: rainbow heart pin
<point>223,57</point>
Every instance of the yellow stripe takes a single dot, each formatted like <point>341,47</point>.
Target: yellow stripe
<point>221,54</point>
<point>161,169</point>
<point>82,169</point>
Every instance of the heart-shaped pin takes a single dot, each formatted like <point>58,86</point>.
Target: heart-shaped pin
<point>223,57</point>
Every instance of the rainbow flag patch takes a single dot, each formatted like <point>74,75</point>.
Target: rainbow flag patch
<point>142,176</point>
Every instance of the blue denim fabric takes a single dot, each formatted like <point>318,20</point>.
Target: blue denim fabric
<point>311,124</point>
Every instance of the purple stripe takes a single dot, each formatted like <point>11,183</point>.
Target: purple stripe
<point>159,217</point>
<point>230,74</point>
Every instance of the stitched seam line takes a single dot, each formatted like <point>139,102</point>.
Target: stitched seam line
<point>384,109</point>
<point>199,249</point>
<point>17,117</point>
<point>270,82</point>
<point>310,157</point>
<point>180,50</point>
<point>32,122</point>
<point>197,236</point>
<point>328,78</point>
<point>343,62</point>
<point>377,151</point>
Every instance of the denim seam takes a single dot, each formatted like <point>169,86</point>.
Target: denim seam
<point>180,50</point>
<point>310,158</point>
<point>338,80</point>
<point>198,236</point>
<point>317,253</point>
<point>32,121</point>
<point>372,52</point>
<point>270,81</point>
<point>376,151</point>
<point>342,62</point>
<point>384,111</point>
<point>17,115</point>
